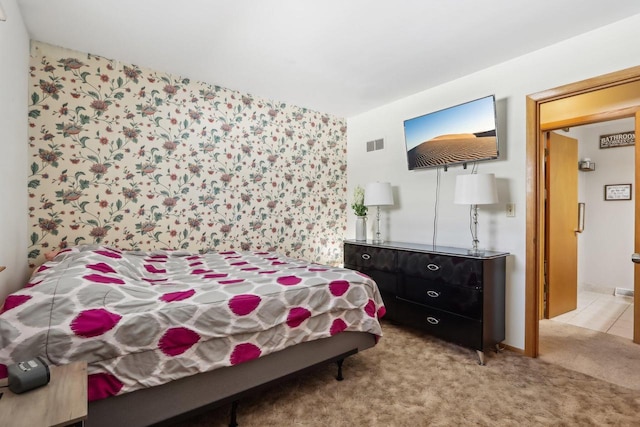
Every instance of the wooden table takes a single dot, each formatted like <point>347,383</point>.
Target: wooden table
<point>62,402</point>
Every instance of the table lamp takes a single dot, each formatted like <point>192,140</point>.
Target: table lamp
<point>474,190</point>
<point>378,194</point>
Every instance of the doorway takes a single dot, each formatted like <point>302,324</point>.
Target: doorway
<point>611,96</point>
<point>589,277</point>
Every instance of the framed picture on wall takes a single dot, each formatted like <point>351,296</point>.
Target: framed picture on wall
<point>617,192</point>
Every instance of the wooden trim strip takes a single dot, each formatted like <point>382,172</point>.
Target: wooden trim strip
<point>623,113</point>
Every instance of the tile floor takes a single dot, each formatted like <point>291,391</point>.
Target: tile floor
<point>612,314</point>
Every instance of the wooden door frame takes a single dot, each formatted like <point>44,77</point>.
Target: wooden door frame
<point>535,188</point>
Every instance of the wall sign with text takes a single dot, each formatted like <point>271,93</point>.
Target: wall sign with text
<point>617,192</point>
<point>619,139</point>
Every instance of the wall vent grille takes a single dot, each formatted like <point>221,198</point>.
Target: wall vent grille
<point>623,291</point>
<point>375,145</point>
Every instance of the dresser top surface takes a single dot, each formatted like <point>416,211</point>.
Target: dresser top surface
<point>419,247</point>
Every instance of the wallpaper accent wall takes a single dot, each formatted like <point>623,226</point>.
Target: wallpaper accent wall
<point>137,159</point>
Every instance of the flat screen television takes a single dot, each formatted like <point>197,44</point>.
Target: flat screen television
<point>460,134</point>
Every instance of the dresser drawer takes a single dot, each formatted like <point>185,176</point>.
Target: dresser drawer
<point>452,270</point>
<point>457,299</point>
<point>370,257</point>
<point>457,329</point>
<point>387,282</point>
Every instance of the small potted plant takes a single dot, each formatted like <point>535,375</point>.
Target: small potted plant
<point>360,210</point>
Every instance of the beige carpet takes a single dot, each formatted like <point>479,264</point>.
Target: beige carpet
<point>605,356</point>
<point>412,379</point>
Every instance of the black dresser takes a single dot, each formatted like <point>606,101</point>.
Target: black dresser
<point>442,290</point>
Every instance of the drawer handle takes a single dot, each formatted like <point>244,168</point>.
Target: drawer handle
<point>366,256</point>
<point>433,294</point>
<point>433,267</point>
<point>433,320</point>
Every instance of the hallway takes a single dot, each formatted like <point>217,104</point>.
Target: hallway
<point>612,314</point>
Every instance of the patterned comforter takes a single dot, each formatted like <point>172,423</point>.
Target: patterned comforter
<point>141,319</point>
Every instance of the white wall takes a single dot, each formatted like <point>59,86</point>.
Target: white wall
<point>14,66</point>
<point>606,245</point>
<point>411,219</point>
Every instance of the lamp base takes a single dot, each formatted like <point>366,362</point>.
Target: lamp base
<point>476,252</point>
<point>378,241</point>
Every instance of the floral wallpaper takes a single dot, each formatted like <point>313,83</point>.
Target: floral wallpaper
<point>139,159</point>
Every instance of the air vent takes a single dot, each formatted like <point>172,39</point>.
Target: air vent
<point>623,291</point>
<point>375,145</point>
<point>371,146</point>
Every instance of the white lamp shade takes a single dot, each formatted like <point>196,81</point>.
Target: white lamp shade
<point>476,189</point>
<point>378,194</point>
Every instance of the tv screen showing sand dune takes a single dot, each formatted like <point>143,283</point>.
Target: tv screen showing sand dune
<point>464,133</point>
<point>448,149</point>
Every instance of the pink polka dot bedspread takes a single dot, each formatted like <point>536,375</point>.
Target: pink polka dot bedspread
<point>142,319</point>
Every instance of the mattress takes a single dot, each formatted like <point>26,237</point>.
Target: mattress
<point>141,319</point>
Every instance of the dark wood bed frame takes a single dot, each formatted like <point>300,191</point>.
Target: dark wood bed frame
<point>189,396</point>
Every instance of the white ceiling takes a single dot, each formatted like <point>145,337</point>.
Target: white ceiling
<point>341,57</point>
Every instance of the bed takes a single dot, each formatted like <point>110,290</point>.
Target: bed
<point>169,332</point>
